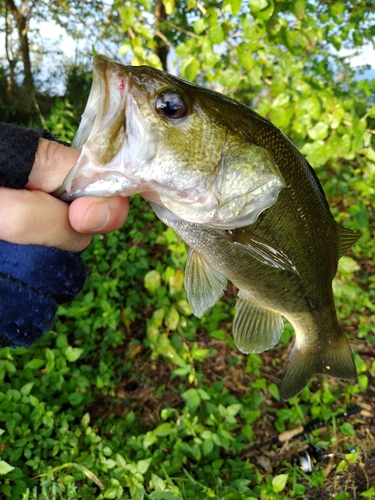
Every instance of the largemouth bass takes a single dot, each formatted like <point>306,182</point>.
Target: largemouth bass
<point>238,192</point>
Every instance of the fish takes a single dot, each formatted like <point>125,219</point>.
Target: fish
<point>245,201</point>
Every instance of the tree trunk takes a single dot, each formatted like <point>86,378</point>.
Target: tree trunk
<point>22,28</point>
<point>162,48</point>
<point>11,83</point>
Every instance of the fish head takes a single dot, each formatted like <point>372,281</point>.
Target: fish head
<point>180,146</point>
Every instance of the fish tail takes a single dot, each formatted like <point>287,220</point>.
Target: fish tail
<point>333,358</point>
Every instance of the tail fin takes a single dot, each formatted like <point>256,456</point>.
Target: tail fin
<point>336,360</point>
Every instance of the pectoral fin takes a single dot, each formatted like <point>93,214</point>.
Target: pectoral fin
<point>261,249</point>
<point>204,285</point>
<point>255,329</point>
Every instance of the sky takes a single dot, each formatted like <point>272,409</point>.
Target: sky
<point>54,34</point>
<point>367,57</point>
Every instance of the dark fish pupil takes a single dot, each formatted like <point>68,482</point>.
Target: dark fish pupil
<point>170,105</point>
<point>170,108</point>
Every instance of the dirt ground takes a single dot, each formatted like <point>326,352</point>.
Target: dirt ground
<point>147,402</point>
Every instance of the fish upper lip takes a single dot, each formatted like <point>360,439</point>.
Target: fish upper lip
<point>104,110</point>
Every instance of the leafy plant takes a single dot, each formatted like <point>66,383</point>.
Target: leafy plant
<point>130,395</point>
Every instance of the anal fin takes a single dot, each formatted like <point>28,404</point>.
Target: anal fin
<point>255,329</point>
<point>204,285</point>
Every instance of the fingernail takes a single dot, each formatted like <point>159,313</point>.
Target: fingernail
<point>97,217</point>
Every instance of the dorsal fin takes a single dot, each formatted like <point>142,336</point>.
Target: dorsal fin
<point>347,238</point>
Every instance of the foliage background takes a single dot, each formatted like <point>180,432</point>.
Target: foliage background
<point>130,396</point>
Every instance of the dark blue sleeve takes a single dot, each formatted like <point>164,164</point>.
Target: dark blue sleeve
<point>33,279</point>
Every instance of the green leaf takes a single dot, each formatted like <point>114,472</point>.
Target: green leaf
<point>279,482</point>
<point>369,153</point>
<point>50,355</point>
<point>371,111</point>
<point>230,78</point>
<point>233,409</point>
<point>26,389</point>
<point>164,495</point>
<point>85,420</point>
<point>274,391</point>
<point>182,372</point>
<point>248,432</point>
<point>207,447</point>
<point>163,430</point>
<point>143,465</point>
<point>319,131</point>
<point>244,54</point>
<point>343,465</point>
<point>262,9</point>
<point>363,382</point>
<point>299,7</point>
<point>127,15</point>
<point>216,34</point>
<point>10,425</point>
<point>152,281</point>
<point>316,153</point>
<point>192,398</point>
<point>337,9</point>
<point>203,394</point>
<point>257,5</point>
<point>172,319</point>
<point>347,265</point>
<point>5,468</point>
<point>199,26</point>
<point>347,429</point>
<point>73,353</point>
<point>110,493</point>
<point>170,7</point>
<point>120,460</point>
<point>368,493</point>
<point>235,5</point>
<point>191,70</point>
<point>218,334</point>
<point>35,364</point>
<point>76,398</point>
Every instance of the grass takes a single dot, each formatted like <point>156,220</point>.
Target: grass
<point>132,397</point>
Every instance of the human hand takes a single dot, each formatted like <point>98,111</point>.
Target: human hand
<point>32,216</point>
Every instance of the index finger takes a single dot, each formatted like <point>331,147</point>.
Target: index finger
<point>53,161</point>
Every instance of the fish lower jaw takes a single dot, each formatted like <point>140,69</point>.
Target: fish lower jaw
<point>111,185</point>
<point>209,211</point>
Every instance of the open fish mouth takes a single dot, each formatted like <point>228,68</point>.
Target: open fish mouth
<point>127,148</point>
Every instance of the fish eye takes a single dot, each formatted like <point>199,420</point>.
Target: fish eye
<point>170,105</point>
